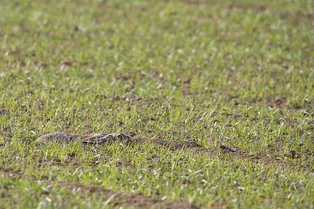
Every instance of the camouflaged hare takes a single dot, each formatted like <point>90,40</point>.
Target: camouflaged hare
<point>99,138</point>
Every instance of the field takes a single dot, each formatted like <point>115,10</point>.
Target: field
<point>217,97</point>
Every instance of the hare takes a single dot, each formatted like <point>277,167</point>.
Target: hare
<point>99,138</point>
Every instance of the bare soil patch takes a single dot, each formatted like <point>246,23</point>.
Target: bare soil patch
<point>269,157</point>
<point>297,17</point>
<point>116,199</point>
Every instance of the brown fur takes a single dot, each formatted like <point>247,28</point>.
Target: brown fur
<point>99,138</point>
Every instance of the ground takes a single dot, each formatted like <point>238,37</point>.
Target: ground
<point>217,95</point>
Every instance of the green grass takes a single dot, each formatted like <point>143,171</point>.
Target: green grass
<point>235,73</point>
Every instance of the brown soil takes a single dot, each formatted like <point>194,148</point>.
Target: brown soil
<point>118,199</point>
<point>298,17</point>
<point>271,157</point>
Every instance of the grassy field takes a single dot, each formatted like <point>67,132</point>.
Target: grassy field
<point>220,94</point>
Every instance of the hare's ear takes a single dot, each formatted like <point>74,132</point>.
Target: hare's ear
<point>124,137</point>
<point>119,136</point>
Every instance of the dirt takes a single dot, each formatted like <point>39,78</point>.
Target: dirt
<point>297,17</point>
<point>269,157</point>
<point>118,199</point>
<point>103,138</point>
<point>176,145</point>
<point>136,200</point>
<point>128,199</point>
